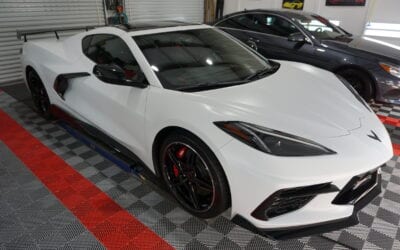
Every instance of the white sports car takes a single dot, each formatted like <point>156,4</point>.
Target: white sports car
<point>290,148</point>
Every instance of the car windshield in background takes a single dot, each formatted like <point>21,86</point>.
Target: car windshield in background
<point>320,27</point>
<point>201,59</point>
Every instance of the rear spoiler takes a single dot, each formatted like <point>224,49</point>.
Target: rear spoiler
<point>25,33</point>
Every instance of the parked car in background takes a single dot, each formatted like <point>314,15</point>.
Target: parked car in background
<point>372,67</point>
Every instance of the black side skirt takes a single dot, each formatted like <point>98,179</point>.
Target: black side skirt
<point>105,145</point>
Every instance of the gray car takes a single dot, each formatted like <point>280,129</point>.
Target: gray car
<point>371,66</point>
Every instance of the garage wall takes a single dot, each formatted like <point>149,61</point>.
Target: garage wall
<point>38,14</point>
<point>187,10</point>
<point>386,11</point>
<point>383,21</point>
<point>352,19</point>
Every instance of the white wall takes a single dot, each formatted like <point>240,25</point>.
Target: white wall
<point>386,11</point>
<point>352,19</point>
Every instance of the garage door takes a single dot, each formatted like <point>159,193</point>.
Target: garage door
<point>188,10</point>
<point>38,14</point>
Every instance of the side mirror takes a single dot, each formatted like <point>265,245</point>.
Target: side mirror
<point>113,74</point>
<point>297,37</point>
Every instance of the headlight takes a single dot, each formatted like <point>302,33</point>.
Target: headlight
<point>391,69</point>
<point>272,141</point>
<point>354,92</point>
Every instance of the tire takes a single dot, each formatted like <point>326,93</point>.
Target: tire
<point>39,95</point>
<point>360,81</point>
<point>195,171</point>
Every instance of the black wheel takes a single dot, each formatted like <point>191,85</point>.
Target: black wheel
<point>360,81</point>
<point>40,98</point>
<point>194,175</point>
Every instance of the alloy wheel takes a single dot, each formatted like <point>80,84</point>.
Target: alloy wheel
<point>357,84</point>
<point>188,177</point>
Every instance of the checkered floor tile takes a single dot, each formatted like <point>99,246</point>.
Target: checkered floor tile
<point>43,223</point>
<point>386,110</point>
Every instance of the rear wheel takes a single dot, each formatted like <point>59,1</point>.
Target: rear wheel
<point>40,98</point>
<point>194,175</point>
<point>360,81</point>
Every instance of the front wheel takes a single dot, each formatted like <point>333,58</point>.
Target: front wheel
<point>194,175</point>
<point>40,98</point>
<point>360,81</point>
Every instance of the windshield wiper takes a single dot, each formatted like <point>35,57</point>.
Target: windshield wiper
<point>263,72</point>
<point>213,85</point>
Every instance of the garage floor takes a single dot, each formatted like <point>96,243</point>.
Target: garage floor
<point>56,192</point>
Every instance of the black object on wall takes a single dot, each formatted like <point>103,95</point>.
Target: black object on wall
<point>345,2</point>
<point>219,11</point>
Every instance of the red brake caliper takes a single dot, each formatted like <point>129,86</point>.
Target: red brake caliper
<point>180,154</point>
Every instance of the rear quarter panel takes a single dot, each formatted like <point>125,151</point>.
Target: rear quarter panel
<point>51,57</point>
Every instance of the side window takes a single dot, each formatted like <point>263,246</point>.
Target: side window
<point>110,49</point>
<point>230,23</point>
<point>86,43</point>
<point>268,24</point>
<point>275,25</point>
<point>246,22</point>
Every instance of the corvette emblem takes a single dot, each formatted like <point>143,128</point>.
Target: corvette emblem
<point>374,136</point>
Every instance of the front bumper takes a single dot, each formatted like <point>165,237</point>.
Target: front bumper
<point>388,87</point>
<point>367,193</point>
<point>258,176</point>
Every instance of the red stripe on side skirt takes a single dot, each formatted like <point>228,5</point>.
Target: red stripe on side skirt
<point>113,226</point>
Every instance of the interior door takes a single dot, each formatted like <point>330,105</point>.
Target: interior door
<point>116,110</point>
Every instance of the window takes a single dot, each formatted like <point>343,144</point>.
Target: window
<point>86,43</point>
<point>264,23</point>
<point>245,22</point>
<point>275,25</point>
<point>230,23</point>
<point>190,58</point>
<point>110,49</point>
<point>321,28</point>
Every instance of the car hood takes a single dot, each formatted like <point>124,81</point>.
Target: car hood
<point>298,99</point>
<point>367,44</point>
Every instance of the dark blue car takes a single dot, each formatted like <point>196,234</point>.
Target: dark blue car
<point>371,67</point>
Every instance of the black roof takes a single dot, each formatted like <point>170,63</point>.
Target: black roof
<point>285,13</point>
<point>151,25</point>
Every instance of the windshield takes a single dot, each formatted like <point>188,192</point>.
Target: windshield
<point>201,57</point>
<point>320,27</point>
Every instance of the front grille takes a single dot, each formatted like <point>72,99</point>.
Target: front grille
<point>288,200</point>
<point>284,205</point>
<point>357,188</point>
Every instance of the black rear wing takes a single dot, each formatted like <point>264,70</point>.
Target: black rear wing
<point>25,33</point>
